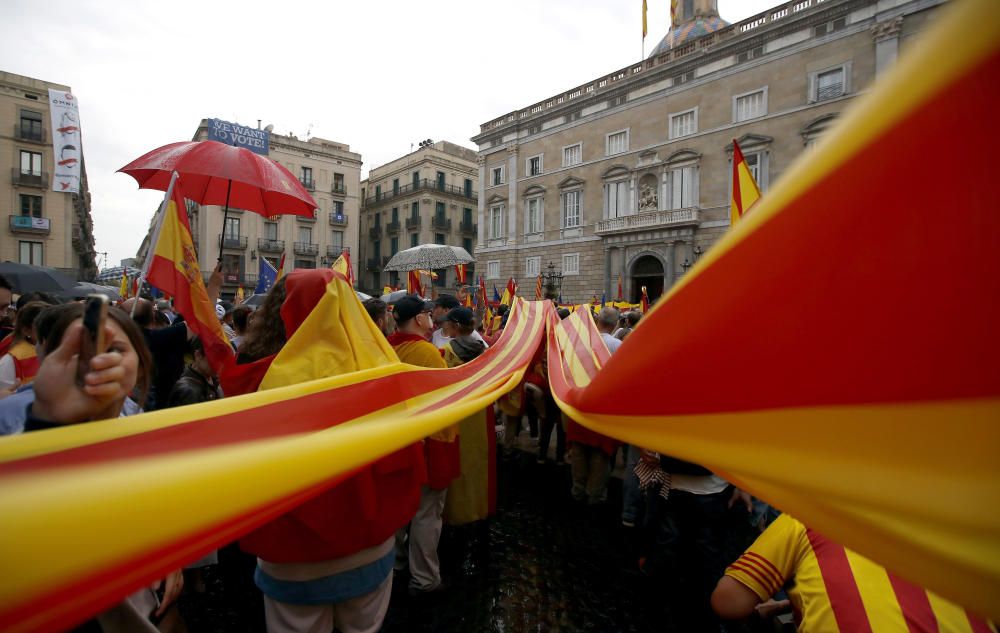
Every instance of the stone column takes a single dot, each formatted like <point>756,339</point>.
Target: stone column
<point>886,36</point>
<point>626,282</point>
<point>668,270</point>
<point>633,196</point>
<point>512,199</point>
<point>481,230</point>
<point>607,271</point>
<point>662,204</point>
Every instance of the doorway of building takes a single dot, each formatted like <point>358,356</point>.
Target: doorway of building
<point>647,271</point>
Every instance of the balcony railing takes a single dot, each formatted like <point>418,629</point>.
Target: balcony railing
<point>333,251</point>
<point>413,222</point>
<point>338,219</point>
<point>270,246</point>
<point>29,180</point>
<point>29,224</point>
<point>375,232</point>
<point>439,223</point>
<point>234,241</point>
<point>648,220</point>
<point>373,263</point>
<point>338,187</point>
<point>468,228</point>
<point>425,184</point>
<point>308,183</point>
<point>392,228</point>
<point>306,218</point>
<point>26,133</point>
<point>306,248</point>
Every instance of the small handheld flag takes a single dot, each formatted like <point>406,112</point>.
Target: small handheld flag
<point>745,190</point>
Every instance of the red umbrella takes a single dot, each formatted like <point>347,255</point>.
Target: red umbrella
<point>215,173</point>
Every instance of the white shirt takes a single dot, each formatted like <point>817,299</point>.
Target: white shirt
<point>440,340</point>
<point>8,374</point>
<point>612,343</point>
<point>698,484</point>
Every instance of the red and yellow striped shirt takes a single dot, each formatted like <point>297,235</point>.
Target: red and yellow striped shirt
<point>835,590</point>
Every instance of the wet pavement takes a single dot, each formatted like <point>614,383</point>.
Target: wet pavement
<point>542,564</point>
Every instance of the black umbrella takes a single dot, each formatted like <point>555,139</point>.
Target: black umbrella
<point>83,288</point>
<point>25,278</point>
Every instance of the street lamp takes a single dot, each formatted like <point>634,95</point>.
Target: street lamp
<point>552,281</point>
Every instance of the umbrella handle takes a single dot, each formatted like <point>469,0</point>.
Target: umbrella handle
<point>225,219</point>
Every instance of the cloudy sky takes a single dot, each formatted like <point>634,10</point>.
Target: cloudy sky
<point>375,74</point>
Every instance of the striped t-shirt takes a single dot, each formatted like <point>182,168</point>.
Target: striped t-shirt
<point>835,590</point>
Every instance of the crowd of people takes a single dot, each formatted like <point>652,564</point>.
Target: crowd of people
<point>329,563</point>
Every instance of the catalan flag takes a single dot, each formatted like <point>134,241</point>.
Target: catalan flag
<point>173,267</point>
<point>123,286</point>
<point>745,190</point>
<point>538,288</point>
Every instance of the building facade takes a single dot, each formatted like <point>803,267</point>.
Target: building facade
<point>428,196</point>
<point>45,227</point>
<point>329,171</point>
<point>629,175</point>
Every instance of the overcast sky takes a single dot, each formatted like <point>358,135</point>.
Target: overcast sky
<point>375,74</point>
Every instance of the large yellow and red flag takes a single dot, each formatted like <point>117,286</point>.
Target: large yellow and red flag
<point>745,189</point>
<point>173,268</point>
<point>538,288</point>
<point>343,266</point>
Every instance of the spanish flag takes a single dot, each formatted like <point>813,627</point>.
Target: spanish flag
<point>645,30</point>
<point>343,266</point>
<point>644,301</point>
<point>174,268</point>
<point>413,283</point>
<point>240,295</point>
<point>281,268</point>
<point>460,273</point>
<point>123,287</point>
<point>745,190</point>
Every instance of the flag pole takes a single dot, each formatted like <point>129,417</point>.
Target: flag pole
<point>155,238</point>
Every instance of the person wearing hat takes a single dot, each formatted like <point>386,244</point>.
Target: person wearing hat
<point>442,306</point>
<point>469,495</point>
<point>414,322</point>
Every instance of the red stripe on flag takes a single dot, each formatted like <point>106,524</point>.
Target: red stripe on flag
<point>841,587</point>
<point>915,605</point>
<point>979,625</point>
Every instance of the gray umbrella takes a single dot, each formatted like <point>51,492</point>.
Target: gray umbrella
<point>394,296</point>
<point>84,288</point>
<point>27,278</point>
<point>429,257</point>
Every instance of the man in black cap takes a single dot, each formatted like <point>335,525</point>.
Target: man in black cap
<point>443,305</point>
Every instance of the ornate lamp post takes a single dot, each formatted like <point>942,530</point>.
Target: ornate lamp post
<point>552,281</point>
<point>697,253</point>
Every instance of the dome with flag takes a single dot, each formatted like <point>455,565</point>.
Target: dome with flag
<point>689,31</point>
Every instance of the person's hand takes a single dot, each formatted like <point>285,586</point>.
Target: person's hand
<point>772,608</point>
<point>214,286</point>
<point>9,391</point>
<point>58,398</point>
<point>741,497</point>
<point>172,586</point>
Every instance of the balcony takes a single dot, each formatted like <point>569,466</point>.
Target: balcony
<point>234,241</point>
<point>29,180</point>
<point>306,218</point>
<point>306,248</point>
<point>308,183</point>
<point>375,232</point>
<point>425,184</point>
<point>29,224</point>
<point>648,220</point>
<point>413,222</point>
<point>439,223</point>
<point>392,228</point>
<point>334,251</point>
<point>373,263</point>
<point>338,219</point>
<point>467,228</point>
<point>265,245</point>
<point>339,188</point>
<point>29,134</point>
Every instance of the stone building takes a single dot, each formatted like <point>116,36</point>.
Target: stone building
<point>427,196</point>
<point>331,174</point>
<point>45,227</point>
<point>630,173</point>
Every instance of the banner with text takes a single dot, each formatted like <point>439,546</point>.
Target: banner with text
<point>66,147</point>
<point>234,134</point>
